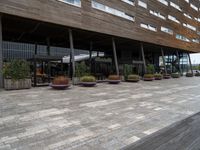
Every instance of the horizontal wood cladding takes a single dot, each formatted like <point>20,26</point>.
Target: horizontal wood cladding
<point>91,19</point>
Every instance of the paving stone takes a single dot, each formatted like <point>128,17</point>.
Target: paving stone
<point>104,117</point>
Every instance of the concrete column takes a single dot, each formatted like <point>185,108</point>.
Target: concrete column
<point>72,54</point>
<point>143,58</point>
<point>90,55</point>
<point>190,63</point>
<point>179,64</point>
<point>163,58</point>
<point>115,56</point>
<point>1,54</point>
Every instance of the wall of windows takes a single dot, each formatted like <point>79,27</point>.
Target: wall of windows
<point>112,11</point>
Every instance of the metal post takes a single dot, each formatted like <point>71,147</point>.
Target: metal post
<point>163,58</point>
<point>90,55</point>
<point>72,54</point>
<point>1,54</point>
<point>115,56</point>
<point>143,57</point>
<point>35,72</point>
<point>48,46</point>
<point>179,64</point>
<point>36,48</point>
<point>190,63</point>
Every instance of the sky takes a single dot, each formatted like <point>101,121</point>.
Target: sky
<point>195,58</point>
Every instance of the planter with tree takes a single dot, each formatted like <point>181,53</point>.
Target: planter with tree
<point>60,83</point>
<point>17,75</point>
<point>149,76</point>
<point>175,75</point>
<point>197,74</point>
<point>133,78</point>
<point>88,81</point>
<point>166,76</point>
<point>189,74</point>
<point>114,79</point>
<point>158,76</point>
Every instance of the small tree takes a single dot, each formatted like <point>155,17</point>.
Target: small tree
<point>16,70</point>
<point>127,70</point>
<point>150,69</point>
<point>81,69</point>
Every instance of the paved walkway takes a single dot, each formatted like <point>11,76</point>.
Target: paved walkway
<point>183,135</point>
<point>106,117</point>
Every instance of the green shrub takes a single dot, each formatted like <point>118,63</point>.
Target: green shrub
<point>133,77</point>
<point>150,69</point>
<point>176,75</point>
<point>158,76</point>
<point>81,69</point>
<point>16,70</point>
<point>88,79</point>
<point>127,70</point>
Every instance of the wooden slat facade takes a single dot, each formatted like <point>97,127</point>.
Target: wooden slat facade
<point>90,19</point>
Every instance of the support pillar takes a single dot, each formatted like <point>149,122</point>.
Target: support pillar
<point>143,57</point>
<point>115,56</point>
<point>190,63</point>
<point>163,58</point>
<point>72,54</point>
<point>90,55</point>
<point>1,54</point>
<point>179,64</point>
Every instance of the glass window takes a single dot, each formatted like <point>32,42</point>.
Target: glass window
<point>167,30</point>
<point>72,2</point>
<point>112,11</point>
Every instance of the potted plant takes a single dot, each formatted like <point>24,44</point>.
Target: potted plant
<point>175,75</point>
<point>189,74</point>
<point>17,75</point>
<point>88,81</point>
<point>114,79</point>
<point>158,76</point>
<point>149,76</point>
<point>197,74</point>
<point>60,83</point>
<point>166,76</point>
<point>133,78</point>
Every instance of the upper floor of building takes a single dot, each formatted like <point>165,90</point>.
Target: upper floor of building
<point>171,23</point>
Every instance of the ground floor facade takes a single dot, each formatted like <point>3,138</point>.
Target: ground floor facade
<point>53,49</point>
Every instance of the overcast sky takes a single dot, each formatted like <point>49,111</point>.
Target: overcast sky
<point>195,58</point>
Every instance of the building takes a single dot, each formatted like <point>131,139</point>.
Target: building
<point>136,32</point>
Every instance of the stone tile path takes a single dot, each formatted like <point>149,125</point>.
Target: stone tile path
<point>105,117</point>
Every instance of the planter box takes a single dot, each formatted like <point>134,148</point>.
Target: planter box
<point>148,79</point>
<point>88,84</point>
<point>114,81</point>
<point>10,84</point>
